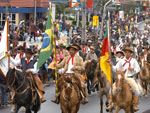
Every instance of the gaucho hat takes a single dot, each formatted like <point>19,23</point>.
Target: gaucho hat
<point>128,49</point>
<point>75,46</point>
<point>29,51</point>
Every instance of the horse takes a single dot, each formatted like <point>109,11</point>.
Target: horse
<point>104,88</point>
<point>24,94</point>
<point>90,69</point>
<point>144,74</point>
<point>69,96</point>
<point>124,96</point>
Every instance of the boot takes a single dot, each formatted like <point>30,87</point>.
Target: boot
<point>111,104</point>
<point>84,100</point>
<point>43,100</point>
<point>56,100</point>
<point>135,103</point>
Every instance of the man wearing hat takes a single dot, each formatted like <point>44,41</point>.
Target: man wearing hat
<point>120,55</point>
<point>29,65</point>
<point>132,68</point>
<point>91,55</point>
<point>73,65</point>
<point>21,53</point>
<point>63,52</point>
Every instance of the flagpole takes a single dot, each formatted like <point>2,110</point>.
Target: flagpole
<point>7,20</point>
<point>54,52</point>
<point>109,44</point>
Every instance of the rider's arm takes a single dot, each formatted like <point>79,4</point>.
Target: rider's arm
<point>80,67</point>
<point>136,67</point>
<point>34,70</point>
<point>61,64</point>
<point>15,62</point>
<point>118,66</point>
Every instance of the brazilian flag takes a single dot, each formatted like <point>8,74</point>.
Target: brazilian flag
<point>47,45</point>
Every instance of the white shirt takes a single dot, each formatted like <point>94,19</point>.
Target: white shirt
<point>134,64</point>
<point>70,66</point>
<point>18,63</point>
<point>18,56</point>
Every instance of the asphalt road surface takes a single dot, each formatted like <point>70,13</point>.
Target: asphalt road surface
<point>92,107</point>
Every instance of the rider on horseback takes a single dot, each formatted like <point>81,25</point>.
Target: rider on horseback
<point>29,65</point>
<point>72,64</point>
<point>132,68</point>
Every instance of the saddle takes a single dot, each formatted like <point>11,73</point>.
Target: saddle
<point>33,87</point>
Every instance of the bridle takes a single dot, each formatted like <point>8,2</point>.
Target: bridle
<point>72,94</point>
<point>16,90</point>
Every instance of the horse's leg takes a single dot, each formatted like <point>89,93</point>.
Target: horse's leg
<point>73,110</point>
<point>146,85</point>
<point>88,87</point>
<point>117,109</point>
<point>77,107</point>
<point>128,109</point>
<point>17,107</point>
<point>64,110</point>
<point>101,103</point>
<point>28,110</point>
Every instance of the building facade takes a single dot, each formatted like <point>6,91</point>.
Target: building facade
<point>22,9</point>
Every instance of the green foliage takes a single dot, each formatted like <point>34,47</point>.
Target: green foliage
<point>60,7</point>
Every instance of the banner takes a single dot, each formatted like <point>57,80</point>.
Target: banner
<point>89,6</point>
<point>3,42</point>
<point>4,67</point>
<point>95,21</point>
<point>3,49</point>
<point>121,15</point>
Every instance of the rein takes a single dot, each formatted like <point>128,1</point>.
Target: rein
<point>16,90</point>
<point>65,94</point>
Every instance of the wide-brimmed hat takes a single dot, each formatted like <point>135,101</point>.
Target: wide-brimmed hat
<point>92,47</point>
<point>128,49</point>
<point>29,51</point>
<point>120,52</point>
<point>73,46</point>
<point>62,45</point>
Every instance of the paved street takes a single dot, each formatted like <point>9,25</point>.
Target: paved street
<point>91,107</point>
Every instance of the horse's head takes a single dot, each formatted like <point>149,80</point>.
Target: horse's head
<point>10,78</point>
<point>142,62</point>
<point>120,77</point>
<point>13,77</point>
<point>93,63</point>
<point>67,88</point>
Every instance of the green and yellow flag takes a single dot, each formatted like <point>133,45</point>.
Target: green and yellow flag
<point>47,45</point>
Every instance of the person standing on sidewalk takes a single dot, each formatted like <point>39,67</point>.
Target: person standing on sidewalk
<point>4,94</point>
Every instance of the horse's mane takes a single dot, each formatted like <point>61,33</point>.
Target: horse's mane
<point>19,73</point>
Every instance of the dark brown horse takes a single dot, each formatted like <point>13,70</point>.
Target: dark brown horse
<point>90,69</point>
<point>69,96</point>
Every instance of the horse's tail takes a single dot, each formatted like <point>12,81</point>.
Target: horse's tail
<point>37,103</point>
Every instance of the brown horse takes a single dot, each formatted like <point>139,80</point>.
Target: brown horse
<point>104,88</point>
<point>144,74</point>
<point>124,96</point>
<point>69,96</point>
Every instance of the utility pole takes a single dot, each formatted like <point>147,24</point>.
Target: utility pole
<point>7,11</point>
<point>104,14</point>
<point>78,12</point>
<point>35,12</point>
<point>84,21</point>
